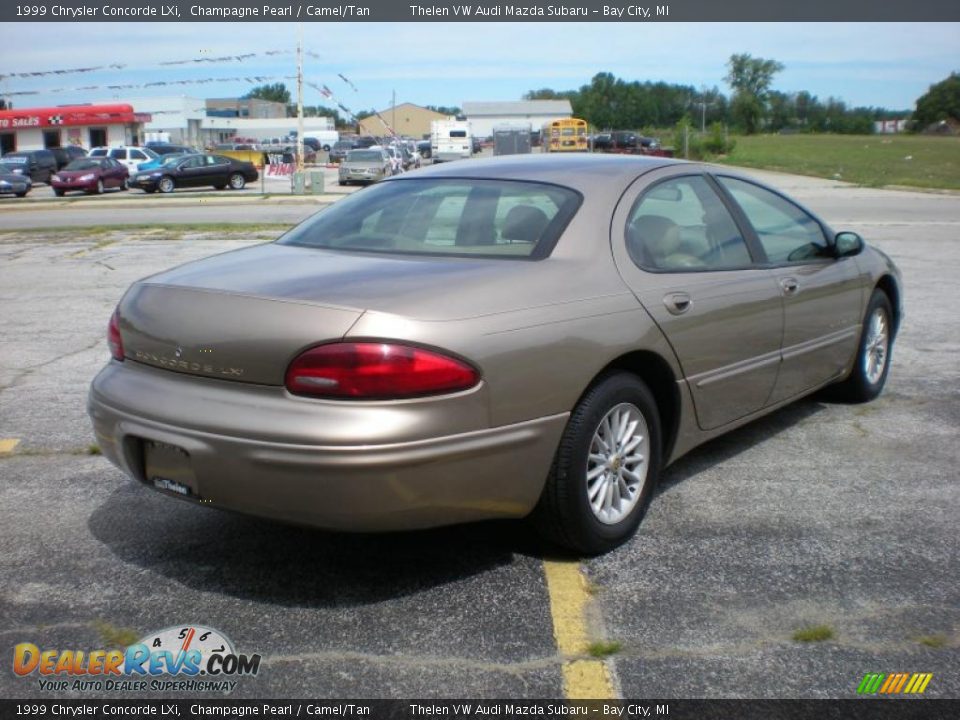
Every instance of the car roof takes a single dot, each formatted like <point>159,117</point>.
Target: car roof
<point>581,171</point>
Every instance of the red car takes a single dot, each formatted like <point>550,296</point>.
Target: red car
<point>91,174</point>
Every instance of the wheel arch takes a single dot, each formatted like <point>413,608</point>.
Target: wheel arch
<point>658,376</point>
<point>890,287</point>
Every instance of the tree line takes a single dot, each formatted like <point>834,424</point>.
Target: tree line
<point>609,102</point>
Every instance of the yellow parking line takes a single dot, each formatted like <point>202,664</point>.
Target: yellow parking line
<point>584,678</point>
<point>7,445</point>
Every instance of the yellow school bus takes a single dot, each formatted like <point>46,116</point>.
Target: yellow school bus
<point>566,135</point>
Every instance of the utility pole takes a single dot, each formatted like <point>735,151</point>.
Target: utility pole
<point>300,99</point>
<point>703,109</point>
<point>393,114</point>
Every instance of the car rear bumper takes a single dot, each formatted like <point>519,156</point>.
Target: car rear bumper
<point>363,485</point>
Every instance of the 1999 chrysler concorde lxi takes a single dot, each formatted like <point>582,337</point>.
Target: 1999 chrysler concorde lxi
<point>494,338</point>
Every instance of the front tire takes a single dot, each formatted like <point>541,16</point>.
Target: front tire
<point>237,181</point>
<point>872,364</point>
<point>605,469</point>
<point>58,193</point>
<point>166,185</point>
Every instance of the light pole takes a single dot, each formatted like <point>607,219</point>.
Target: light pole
<point>300,99</point>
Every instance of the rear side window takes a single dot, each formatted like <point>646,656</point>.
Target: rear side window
<point>488,218</point>
<point>118,154</point>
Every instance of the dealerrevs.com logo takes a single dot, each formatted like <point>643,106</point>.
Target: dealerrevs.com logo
<point>184,658</point>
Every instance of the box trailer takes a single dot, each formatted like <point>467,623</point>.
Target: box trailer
<point>511,139</point>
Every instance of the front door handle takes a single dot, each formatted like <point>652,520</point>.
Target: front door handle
<point>677,303</point>
<point>789,285</point>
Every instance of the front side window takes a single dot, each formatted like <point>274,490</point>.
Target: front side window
<point>491,218</point>
<point>118,154</point>
<point>787,233</point>
<point>682,225</point>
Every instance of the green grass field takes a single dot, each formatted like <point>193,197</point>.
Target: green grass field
<point>872,160</point>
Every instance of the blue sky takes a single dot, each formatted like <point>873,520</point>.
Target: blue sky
<point>879,64</point>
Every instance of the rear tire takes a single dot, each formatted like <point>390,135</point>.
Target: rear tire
<point>605,468</point>
<point>869,373</point>
<point>237,181</point>
<point>58,193</point>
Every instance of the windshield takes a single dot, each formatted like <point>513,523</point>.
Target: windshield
<point>487,218</point>
<point>365,156</point>
<point>83,164</point>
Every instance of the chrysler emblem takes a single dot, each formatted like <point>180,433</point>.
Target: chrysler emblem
<point>178,352</point>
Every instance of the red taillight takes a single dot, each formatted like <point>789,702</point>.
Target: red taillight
<point>114,341</point>
<point>376,371</point>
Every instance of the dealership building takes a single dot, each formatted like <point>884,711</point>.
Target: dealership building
<point>85,125</point>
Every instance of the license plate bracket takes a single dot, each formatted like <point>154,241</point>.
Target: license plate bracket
<point>168,468</point>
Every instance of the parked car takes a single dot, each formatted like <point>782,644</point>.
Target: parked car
<point>39,165</point>
<point>13,182</point>
<point>602,142</point>
<point>128,155</point>
<point>367,165</point>
<point>195,171</point>
<point>411,159</point>
<point>425,148</point>
<point>65,155</point>
<point>533,335</point>
<point>91,175</point>
<point>340,149</point>
<point>396,159</point>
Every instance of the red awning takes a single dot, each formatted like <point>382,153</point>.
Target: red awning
<point>70,115</point>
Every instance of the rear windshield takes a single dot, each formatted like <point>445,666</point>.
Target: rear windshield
<point>458,133</point>
<point>449,216</point>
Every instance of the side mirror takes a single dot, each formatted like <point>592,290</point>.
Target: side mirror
<point>847,244</point>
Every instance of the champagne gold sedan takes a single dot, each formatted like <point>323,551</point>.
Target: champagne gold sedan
<point>522,336</point>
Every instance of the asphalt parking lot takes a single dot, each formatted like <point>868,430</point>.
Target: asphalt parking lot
<point>822,514</point>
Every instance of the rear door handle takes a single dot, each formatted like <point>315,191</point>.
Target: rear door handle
<point>677,303</point>
<point>789,285</point>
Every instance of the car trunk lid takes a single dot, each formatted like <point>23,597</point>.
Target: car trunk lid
<point>223,335</point>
